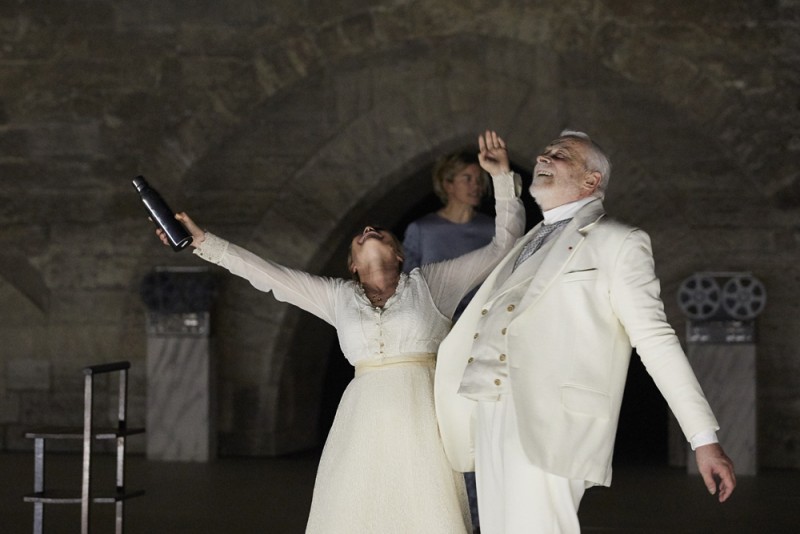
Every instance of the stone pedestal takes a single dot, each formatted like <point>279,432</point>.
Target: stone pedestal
<point>727,374</point>
<point>181,378</point>
<point>721,338</point>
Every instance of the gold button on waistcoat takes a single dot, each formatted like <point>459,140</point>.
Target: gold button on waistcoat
<point>475,336</point>
<point>471,359</point>
<point>502,357</point>
<point>511,307</point>
<point>484,311</point>
<point>503,331</point>
<point>496,381</point>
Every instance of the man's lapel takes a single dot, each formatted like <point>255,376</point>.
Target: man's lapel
<point>544,272</point>
<point>503,278</point>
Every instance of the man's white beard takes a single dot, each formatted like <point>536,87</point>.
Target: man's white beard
<point>553,194</point>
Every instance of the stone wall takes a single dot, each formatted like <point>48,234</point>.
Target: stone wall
<point>283,125</point>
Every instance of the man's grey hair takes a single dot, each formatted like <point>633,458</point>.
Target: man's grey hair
<point>596,159</point>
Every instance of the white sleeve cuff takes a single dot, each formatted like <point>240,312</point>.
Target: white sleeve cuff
<point>212,248</point>
<point>704,437</point>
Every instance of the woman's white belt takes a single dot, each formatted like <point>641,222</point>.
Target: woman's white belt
<point>422,358</point>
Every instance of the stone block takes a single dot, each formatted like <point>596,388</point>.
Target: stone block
<point>727,373</point>
<point>28,374</point>
<point>181,416</point>
<point>39,408</point>
<point>9,409</point>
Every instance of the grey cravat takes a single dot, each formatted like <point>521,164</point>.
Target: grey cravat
<point>536,241</point>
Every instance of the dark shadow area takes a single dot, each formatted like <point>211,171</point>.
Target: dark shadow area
<point>643,433</point>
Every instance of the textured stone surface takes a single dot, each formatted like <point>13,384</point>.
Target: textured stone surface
<point>23,375</point>
<point>283,127</point>
<point>728,375</point>
<point>181,423</point>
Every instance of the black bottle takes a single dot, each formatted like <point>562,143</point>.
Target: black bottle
<point>162,215</point>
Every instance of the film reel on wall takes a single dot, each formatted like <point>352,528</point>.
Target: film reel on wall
<point>699,297</point>
<point>743,297</point>
<point>722,296</point>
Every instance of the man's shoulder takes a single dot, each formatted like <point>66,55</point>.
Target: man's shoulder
<point>611,224</point>
<point>608,229</point>
<point>612,235</point>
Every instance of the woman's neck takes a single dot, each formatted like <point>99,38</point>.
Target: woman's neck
<point>379,283</point>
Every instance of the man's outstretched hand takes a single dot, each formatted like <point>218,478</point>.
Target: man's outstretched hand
<point>716,469</point>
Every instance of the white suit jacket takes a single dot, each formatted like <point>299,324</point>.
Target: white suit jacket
<point>591,296</point>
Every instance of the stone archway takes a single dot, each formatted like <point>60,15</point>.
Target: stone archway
<point>332,151</point>
<point>228,105</point>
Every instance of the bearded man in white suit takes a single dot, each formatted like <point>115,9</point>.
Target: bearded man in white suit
<point>529,382</point>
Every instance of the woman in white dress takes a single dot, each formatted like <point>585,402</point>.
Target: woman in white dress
<point>383,469</point>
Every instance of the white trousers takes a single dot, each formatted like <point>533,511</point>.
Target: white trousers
<point>515,496</point>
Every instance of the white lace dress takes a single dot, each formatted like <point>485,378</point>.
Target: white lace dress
<point>383,468</point>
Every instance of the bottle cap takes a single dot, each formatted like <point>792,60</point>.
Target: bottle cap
<point>139,183</point>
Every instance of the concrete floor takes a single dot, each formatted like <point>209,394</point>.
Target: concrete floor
<point>272,496</point>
